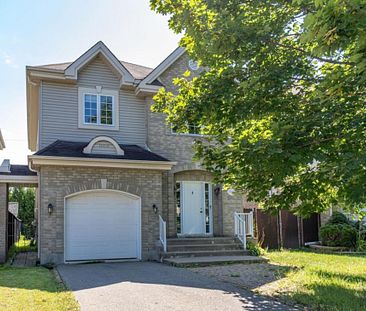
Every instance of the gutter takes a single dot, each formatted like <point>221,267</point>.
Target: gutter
<point>36,160</point>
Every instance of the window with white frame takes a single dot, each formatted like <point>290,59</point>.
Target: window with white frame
<point>190,129</point>
<point>98,109</point>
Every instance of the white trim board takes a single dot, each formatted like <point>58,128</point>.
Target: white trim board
<point>71,71</point>
<point>100,162</point>
<point>144,85</point>
<point>2,143</point>
<point>18,179</point>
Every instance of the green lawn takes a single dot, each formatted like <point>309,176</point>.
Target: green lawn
<point>321,281</point>
<point>33,289</point>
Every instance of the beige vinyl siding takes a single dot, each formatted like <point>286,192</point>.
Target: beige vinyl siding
<point>98,72</point>
<point>59,109</point>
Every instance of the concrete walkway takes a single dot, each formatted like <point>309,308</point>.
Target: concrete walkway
<point>155,287</point>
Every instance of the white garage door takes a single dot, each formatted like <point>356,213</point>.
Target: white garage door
<point>102,225</point>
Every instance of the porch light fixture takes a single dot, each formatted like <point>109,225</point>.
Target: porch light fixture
<point>155,208</point>
<point>217,190</point>
<point>50,208</point>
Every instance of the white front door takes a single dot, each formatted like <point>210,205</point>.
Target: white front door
<point>196,215</point>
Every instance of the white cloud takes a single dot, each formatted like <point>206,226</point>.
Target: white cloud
<point>8,59</point>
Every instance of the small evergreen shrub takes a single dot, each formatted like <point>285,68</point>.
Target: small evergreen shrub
<point>339,218</point>
<point>338,235</point>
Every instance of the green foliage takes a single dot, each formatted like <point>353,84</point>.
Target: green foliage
<point>23,245</point>
<point>338,218</point>
<point>338,235</point>
<point>254,249</point>
<point>361,245</point>
<point>282,100</point>
<point>26,199</point>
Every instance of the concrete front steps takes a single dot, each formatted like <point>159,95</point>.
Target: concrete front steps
<point>206,251</point>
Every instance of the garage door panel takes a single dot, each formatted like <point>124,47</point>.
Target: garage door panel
<point>102,225</point>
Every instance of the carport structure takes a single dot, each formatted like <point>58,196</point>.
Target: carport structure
<point>11,176</point>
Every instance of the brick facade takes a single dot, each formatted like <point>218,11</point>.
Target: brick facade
<point>178,148</point>
<point>58,182</point>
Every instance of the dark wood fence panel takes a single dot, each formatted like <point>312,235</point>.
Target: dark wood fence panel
<point>311,228</point>
<point>267,227</point>
<point>286,230</point>
<point>290,230</point>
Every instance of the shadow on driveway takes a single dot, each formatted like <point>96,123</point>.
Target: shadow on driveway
<point>154,286</point>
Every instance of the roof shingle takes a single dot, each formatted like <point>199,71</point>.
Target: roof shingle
<point>139,72</point>
<point>61,148</point>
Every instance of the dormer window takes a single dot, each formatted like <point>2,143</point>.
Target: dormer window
<point>98,108</point>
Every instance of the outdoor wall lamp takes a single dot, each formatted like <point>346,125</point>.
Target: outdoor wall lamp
<point>155,208</point>
<point>50,208</point>
<point>217,190</point>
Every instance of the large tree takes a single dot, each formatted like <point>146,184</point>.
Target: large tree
<point>282,98</point>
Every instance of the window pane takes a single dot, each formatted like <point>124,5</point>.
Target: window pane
<point>106,110</point>
<point>178,207</point>
<point>90,108</point>
<point>207,207</point>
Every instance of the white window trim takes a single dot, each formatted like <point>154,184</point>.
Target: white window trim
<point>82,91</point>
<point>172,132</point>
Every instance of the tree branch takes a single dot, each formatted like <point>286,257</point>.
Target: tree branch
<point>324,60</point>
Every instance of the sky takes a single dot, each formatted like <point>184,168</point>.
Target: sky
<point>45,32</point>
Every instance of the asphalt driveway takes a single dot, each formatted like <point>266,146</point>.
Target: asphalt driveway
<point>152,286</point>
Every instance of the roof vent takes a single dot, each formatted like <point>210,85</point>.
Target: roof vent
<point>5,166</point>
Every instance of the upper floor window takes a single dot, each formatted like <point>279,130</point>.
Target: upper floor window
<point>190,129</point>
<point>98,108</point>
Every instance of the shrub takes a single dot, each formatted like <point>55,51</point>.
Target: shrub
<point>361,245</point>
<point>338,235</point>
<point>338,218</point>
<point>254,249</point>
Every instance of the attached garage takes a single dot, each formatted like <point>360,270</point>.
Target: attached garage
<point>102,225</point>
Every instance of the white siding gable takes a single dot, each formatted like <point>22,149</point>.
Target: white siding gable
<point>59,108</point>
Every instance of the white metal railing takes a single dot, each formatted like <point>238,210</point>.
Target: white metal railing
<point>243,226</point>
<point>248,218</point>
<point>239,224</point>
<point>162,232</point>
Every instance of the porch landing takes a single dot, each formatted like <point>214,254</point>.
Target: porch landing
<point>213,260</point>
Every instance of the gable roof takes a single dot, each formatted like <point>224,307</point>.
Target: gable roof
<point>138,72</point>
<point>72,70</point>
<point>149,83</point>
<point>141,78</point>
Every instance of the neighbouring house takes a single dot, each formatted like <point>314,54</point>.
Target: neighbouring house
<point>11,176</point>
<point>2,143</point>
<point>114,180</point>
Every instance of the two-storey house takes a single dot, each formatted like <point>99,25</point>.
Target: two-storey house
<point>114,180</point>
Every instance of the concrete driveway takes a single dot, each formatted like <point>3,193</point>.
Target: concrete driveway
<point>152,286</point>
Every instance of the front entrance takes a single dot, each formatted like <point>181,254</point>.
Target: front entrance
<point>196,208</point>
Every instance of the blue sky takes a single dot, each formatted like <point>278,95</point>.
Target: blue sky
<point>40,32</point>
